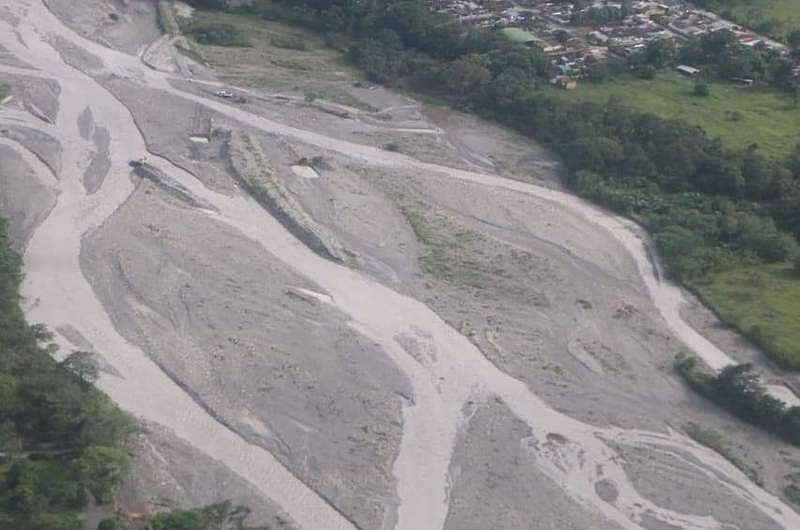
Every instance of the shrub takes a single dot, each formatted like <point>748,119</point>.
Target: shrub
<point>206,4</point>
<point>792,493</point>
<point>701,89</point>
<point>290,42</point>
<point>107,524</point>
<point>101,468</point>
<point>216,34</point>
<point>735,116</point>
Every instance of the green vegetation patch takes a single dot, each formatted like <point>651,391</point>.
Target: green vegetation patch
<point>219,516</point>
<point>289,42</point>
<point>739,116</point>
<point>278,55</point>
<point>762,301</point>
<point>445,250</point>
<point>212,33</point>
<point>792,493</point>
<point>60,437</point>
<point>738,389</point>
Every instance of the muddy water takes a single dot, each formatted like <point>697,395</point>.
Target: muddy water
<point>444,367</point>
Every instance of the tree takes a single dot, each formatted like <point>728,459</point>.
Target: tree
<point>562,36</point>
<point>468,75</point>
<point>108,524</point>
<point>739,387</point>
<point>101,468</point>
<point>701,89</point>
<point>645,71</point>
<point>82,365</point>
<point>220,516</point>
<point>9,396</point>
<point>793,39</point>
<point>791,425</point>
<point>660,52</point>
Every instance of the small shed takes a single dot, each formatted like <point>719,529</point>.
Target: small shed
<point>743,81</point>
<point>687,70</point>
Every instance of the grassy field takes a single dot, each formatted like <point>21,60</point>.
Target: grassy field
<point>764,303</point>
<point>784,13</point>
<point>740,116</point>
<point>278,57</point>
<point>446,254</point>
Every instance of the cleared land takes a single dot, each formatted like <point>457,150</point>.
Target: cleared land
<point>762,301</point>
<point>739,116</point>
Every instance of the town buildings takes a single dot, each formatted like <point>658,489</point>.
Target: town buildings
<point>578,37</point>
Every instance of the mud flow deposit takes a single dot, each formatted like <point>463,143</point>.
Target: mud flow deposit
<point>354,310</point>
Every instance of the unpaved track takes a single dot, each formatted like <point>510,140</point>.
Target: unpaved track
<point>446,370</point>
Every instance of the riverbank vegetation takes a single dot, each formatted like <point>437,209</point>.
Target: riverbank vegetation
<point>220,516</point>
<point>763,301</point>
<point>737,388</point>
<point>60,438</point>
<point>215,34</point>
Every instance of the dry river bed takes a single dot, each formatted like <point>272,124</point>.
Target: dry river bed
<point>110,259</point>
